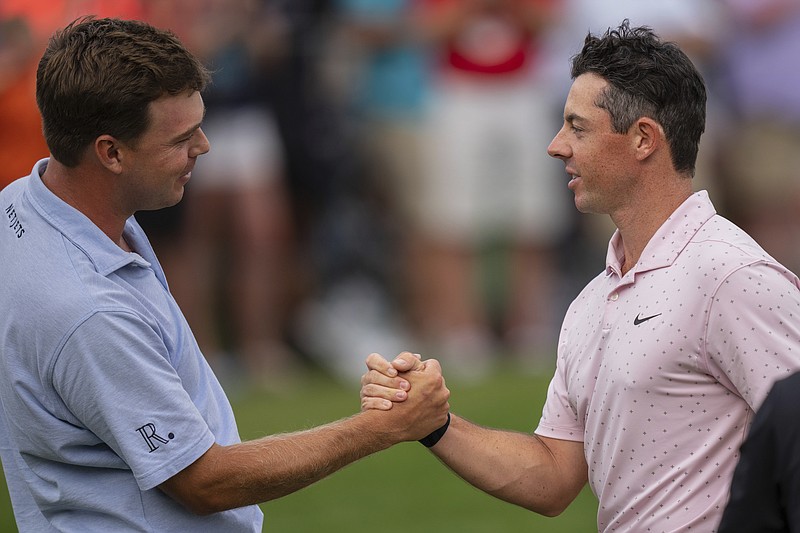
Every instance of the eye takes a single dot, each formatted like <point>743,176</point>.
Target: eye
<point>188,137</point>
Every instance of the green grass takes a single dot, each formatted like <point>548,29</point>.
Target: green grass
<point>405,488</point>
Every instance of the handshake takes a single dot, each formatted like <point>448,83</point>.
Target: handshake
<point>411,392</point>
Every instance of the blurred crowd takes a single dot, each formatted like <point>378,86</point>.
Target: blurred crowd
<point>378,179</point>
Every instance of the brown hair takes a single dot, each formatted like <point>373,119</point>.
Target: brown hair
<point>98,76</point>
<point>648,77</point>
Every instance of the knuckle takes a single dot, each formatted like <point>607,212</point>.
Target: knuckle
<point>373,361</point>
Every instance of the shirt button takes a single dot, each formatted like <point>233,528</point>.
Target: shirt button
<point>614,297</point>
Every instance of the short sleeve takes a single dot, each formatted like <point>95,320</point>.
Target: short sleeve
<point>114,375</point>
<point>559,417</point>
<point>753,335</point>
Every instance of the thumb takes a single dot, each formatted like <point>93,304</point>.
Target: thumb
<point>407,361</point>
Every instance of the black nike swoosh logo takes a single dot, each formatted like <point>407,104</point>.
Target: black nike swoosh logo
<point>637,320</point>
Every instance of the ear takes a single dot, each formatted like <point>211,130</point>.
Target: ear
<point>109,152</point>
<point>648,136</point>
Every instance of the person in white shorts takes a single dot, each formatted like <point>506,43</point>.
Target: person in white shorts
<point>487,183</point>
<point>236,272</point>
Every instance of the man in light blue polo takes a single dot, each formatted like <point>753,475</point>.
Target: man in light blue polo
<point>110,418</point>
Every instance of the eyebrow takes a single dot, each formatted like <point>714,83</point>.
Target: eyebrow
<point>573,117</point>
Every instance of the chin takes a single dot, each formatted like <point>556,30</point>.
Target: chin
<point>584,204</point>
<point>580,205</point>
<point>174,202</point>
<point>177,196</point>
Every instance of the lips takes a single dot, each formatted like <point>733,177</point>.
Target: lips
<point>573,183</point>
<point>187,174</point>
<point>574,178</point>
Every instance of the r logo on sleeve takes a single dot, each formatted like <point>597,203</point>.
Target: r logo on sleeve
<point>148,433</point>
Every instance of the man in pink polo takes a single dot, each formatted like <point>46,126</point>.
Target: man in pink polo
<point>660,367</point>
<point>664,357</point>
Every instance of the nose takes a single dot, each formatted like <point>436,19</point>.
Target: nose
<point>558,148</point>
<point>202,145</point>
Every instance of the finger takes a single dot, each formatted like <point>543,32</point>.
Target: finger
<point>407,361</point>
<point>385,393</point>
<point>377,363</point>
<point>375,403</point>
<point>376,378</point>
<point>430,366</point>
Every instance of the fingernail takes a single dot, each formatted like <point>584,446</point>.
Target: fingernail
<point>405,385</point>
<point>392,371</point>
<point>400,395</point>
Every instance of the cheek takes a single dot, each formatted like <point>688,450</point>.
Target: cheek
<point>591,158</point>
<point>174,161</point>
<point>608,157</point>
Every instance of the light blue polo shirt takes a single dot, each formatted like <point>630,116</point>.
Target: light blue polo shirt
<point>104,391</point>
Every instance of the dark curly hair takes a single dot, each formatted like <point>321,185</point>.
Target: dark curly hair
<point>652,78</point>
<point>98,76</point>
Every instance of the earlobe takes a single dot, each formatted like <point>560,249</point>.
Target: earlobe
<point>109,153</point>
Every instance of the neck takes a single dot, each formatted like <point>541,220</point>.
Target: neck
<point>645,216</point>
<point>86,189</point>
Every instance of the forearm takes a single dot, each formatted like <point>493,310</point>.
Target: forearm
<point>515,467</point>
<point>252,472</point>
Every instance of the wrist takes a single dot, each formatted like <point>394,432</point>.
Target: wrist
<point>435,436</point>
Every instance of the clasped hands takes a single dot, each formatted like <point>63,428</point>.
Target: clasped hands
<point>408,388</point>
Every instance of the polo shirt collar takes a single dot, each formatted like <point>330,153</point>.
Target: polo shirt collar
<point>106,256</point>
<point>669,241</point>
